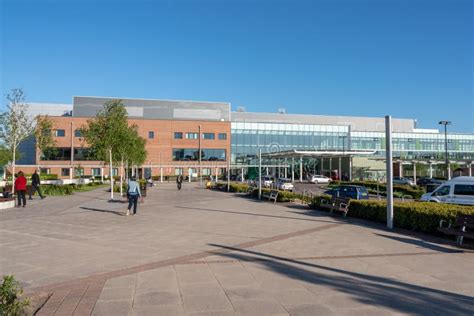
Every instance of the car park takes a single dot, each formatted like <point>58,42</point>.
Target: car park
<point>401,180</point>
<point>459,190</point>
<point>284,184</point>
<point>319,179</point>
<point>355,192</point>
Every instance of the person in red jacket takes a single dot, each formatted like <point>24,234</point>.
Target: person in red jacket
<point>20,188</point>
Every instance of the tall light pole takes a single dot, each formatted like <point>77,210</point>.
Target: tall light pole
<point>446,123</point>
<point>200,156</point>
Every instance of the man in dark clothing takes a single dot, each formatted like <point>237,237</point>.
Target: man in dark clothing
<point>179,181</point>
<point>35,185</point>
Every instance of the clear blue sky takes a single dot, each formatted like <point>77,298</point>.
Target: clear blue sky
<point>407,58</point>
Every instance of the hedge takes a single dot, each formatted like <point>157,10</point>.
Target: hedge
<point>398,190</point>
<point>417,216</point>
<point>67,189</point>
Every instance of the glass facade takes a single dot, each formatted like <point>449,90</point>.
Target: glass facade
<point>247,138</point>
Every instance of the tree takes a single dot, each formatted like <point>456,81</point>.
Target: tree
<point>15,124</point>
<point>105,133</point>
<point>44,135</point>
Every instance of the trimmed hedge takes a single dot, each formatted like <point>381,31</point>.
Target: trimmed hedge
<point>68,189</point>
<point>398,190</point>
<point>417,216</point>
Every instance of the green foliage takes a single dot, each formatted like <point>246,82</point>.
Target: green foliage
<point>44,134</point>
<point>68,189</point>
<point>398,190</point>
<point>11,301</point>
<point>418,216</point>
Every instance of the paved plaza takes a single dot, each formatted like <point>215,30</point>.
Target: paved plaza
<point>201,252</point>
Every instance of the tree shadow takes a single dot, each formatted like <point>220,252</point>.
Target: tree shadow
<point>371,290</point>
<point>103,211</point>
<point>421,243</point>
<point>252,214</point>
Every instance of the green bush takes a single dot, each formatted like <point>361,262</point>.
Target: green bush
<point>398,190</point>
<point>11,301</point>
<point>418,216</point>
<point>54,189</point>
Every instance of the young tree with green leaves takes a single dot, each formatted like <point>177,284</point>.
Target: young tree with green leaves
<point>15,125</point>
<point>44,135</point>
<point>105,134</point>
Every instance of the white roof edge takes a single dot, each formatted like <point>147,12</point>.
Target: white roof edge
<point>142,99</point>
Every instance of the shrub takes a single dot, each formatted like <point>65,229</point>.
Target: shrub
<point>418,216</point>
<point>398,190</point>
<point>11,301</point>
<point>53,189</point>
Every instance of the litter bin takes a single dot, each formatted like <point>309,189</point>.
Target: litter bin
<point>143,188</point>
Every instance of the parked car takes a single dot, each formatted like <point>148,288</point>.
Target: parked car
<point>355,192</point>
<point>401,180</point>
<point>266,182</point>
<point>319,179</point>
<point>284,184</point>
<point>428,181</point>
<point>459,190</point>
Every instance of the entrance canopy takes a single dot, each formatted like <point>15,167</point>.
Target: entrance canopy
<point>316,154</point>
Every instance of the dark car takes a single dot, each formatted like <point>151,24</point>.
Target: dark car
<point>355,192</point>
<point>427,181</point>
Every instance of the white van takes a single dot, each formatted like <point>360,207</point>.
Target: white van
<point>459,190</point>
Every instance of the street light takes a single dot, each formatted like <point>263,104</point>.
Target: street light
<point>446,123</point>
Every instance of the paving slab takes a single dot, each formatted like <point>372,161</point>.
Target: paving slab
<point>201,252</point>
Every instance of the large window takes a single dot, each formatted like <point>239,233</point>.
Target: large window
<point>192,135</point>
<point>192,154</point>
<point>178,135</point>
<point>151,134</point>
<point>59,133</point>
<point>65,172</point>
<point>78,133</point>
<point>464,189</point>
<point>59,153</point>
<point>208,136</point>
<point>95,172</point>
<point>222,136</point>
<point>83,154</point>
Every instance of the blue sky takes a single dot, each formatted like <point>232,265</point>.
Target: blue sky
<point>406,58</point>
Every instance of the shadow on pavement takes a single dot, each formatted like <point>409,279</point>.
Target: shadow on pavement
<point>253,214</point>
<point>421,243</point>
<point>103,211</point>
<point>367,289</point>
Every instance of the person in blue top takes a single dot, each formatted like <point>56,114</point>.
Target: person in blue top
<point>133,194</point>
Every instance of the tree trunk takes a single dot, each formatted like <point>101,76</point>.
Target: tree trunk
<point>121,177</point>
<point>111,176</point>
<point>13,169</point>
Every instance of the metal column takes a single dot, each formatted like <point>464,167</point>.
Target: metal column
<point>414,172</point>
<point>431,170</point>
<point>293,170</point>
<point>301,169</point>
<point>389,166</point>
<point>339,173</point>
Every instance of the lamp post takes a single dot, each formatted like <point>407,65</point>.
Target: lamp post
<point>446,123</point>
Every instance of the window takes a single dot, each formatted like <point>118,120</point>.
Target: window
<point>151,134</point>
<point>78,172</point>
<point>77,133</point>
<point>442,191</point>
<point>95,172</point>
<point>222,136</point>
<point>178,171</point>
<point>65,172</point>
<point>60,133</point>
<point>178,135</point>
<point>464,189</point>
<point>208,136</point>
<point>83,154</point>
<point>192,154</point>
<point>45,171</point>
<point>114,172</point>
<point>192,136</point>
<point>206,171</point>
<point>58,153</point>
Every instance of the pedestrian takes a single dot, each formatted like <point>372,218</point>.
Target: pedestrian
<point>179,181</point>
<point>133,194</point>
<point>35,185</point>
<point>20,188</point>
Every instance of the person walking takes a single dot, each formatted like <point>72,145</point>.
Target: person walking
<point>35,185</point>
<point>133,194</point>
<point>179,181</point>
<point>20,188</point>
